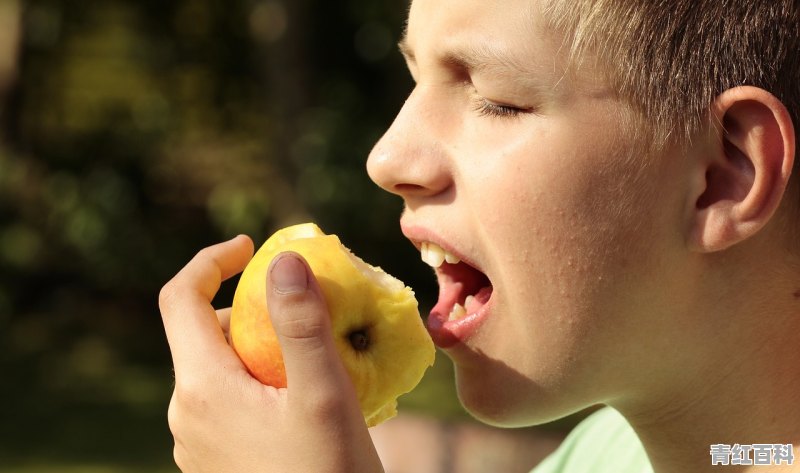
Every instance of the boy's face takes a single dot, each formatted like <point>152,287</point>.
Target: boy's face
<point>527,174</point>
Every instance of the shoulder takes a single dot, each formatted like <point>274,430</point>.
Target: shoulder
<point>603,442</point>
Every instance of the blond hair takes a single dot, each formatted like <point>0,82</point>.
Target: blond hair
<point>670,58</point>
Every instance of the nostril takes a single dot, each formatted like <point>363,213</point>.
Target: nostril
<point>408,188</point>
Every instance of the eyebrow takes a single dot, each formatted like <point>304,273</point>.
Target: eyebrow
<point>472,57</point>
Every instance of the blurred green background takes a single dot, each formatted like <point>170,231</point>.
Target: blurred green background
<point>135,133</point>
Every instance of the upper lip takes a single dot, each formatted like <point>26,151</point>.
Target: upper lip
<point>419,234</point>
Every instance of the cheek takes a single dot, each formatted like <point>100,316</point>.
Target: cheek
<point>568,221</point>
<point>574,230</point>
<point>564,210</point>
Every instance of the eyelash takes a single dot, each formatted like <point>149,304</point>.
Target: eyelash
<point>486,108</point>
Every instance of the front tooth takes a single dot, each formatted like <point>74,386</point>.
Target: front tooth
<point>452,259</point>
<point>457,312</point>
<point>426,254</point>
<point>432,254</point>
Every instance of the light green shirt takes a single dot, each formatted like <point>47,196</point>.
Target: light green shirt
<point>602,443</point>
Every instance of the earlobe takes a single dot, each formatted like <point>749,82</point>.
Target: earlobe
<point>746,171</point>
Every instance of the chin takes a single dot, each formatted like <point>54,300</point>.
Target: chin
<point>508,399</point>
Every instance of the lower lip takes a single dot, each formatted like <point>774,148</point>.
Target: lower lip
<point>447,333</point>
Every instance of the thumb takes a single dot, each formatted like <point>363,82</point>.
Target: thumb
<point>300,317</point>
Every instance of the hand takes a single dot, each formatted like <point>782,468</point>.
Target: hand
<point>225,421</point>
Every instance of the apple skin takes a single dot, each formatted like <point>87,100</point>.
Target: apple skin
<point>376,326</point>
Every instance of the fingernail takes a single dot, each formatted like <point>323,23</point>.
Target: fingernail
<point>288,274</point>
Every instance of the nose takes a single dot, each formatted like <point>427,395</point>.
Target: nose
<point>410,159</point>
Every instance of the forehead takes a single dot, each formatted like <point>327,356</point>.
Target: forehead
<point>511,34</point>
<point>451,23</point>
<point>472,12</point>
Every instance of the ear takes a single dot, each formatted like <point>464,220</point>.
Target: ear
<point>743,176</point>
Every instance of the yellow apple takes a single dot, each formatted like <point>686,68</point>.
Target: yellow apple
<point>378,332</point>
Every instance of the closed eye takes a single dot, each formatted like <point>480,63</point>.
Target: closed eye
<point>488,108</point>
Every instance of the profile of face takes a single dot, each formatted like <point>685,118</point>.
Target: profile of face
<point>545,221</point>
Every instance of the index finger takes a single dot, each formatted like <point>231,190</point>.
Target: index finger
<point>190,322</point>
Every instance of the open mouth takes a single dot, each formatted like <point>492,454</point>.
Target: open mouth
<point>464,291</point>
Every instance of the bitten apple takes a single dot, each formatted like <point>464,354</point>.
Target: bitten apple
<point>378,332</point>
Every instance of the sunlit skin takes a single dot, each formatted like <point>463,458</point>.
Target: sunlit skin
<point>660,284</point>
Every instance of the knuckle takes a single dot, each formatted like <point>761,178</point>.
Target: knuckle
<point>179,457</point>
<point>205,255</point>
<point>191,396</point>
<point>174,422</point>
<point>302,327</point>
<point>173,419</point>
<point>204,262</point>
<point>167,295</point>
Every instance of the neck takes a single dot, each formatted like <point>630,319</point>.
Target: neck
<point>744,389</point>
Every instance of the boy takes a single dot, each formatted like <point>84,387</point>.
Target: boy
<point>615,177</point>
